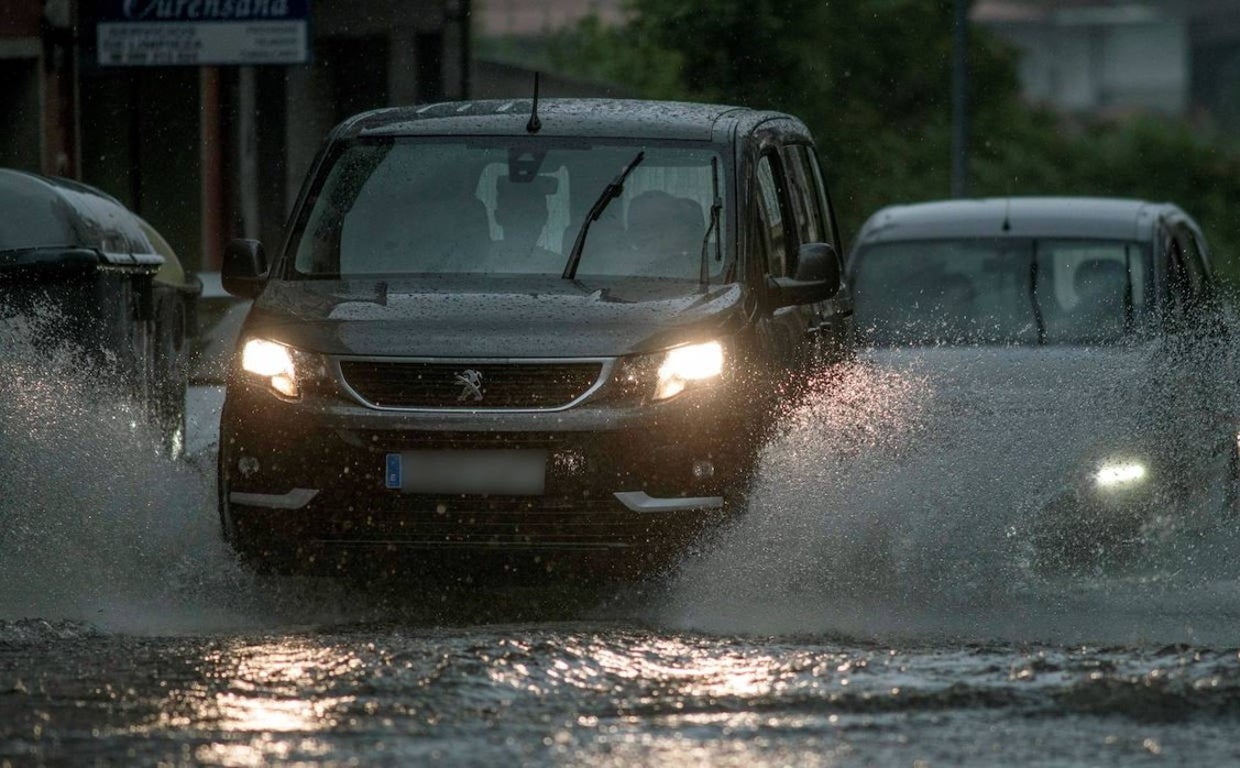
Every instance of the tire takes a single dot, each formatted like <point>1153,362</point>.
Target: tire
<point>262,554</point>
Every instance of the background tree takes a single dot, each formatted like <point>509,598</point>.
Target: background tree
<point>872,78</point>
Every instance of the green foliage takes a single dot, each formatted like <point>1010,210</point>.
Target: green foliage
<point>609,54</point>
<point>872,79</point>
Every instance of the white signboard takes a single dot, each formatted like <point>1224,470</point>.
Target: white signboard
<point>203,32</point>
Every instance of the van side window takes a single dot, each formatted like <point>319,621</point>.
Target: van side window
<point>1179,288</point>
<point>771,220</point>
<point>804,199</point>
<point>1193,262</point>
<point>820,192</point>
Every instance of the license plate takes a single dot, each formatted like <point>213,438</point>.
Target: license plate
<point>519,473</point>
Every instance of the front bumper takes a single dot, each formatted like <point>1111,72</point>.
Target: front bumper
<point>1081,523</point>
<point>312,474</point>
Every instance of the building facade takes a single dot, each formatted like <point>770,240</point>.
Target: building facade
<point>1177,57</point>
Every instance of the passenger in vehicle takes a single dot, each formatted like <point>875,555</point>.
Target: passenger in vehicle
<point>665,234</point>
<point>1101,287</point>
<point>522,213</point>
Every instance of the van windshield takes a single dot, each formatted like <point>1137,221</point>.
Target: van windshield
<point>1005,291</point>
<point>505,206</point>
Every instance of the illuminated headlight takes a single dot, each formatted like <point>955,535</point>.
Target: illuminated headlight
<point>272,362</point>
<point>1120,474</point>
<point>684,366</point>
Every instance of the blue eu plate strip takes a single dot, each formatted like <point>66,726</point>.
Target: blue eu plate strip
<point>392,476</point>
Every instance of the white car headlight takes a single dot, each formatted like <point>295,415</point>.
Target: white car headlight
<point>1120,474</point>
<point>686,365</point>
<point>271,361</point>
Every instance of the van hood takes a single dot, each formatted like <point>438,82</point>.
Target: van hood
<point>493,316</point>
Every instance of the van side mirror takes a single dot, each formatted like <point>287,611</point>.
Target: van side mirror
<point>245,268</point>
<point>817,277</point>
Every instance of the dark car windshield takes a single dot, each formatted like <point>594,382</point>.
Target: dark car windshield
<point>503,206</point>
<point>1008,291</point>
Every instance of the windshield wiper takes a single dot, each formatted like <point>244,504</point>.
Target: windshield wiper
<point>1033,294</point>
<point>610,192</point>
<point>715,207</point>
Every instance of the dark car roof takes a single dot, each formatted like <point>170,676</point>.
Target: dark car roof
<point>602,118</point>
<point>45,212</point>
<point>1071,217</point>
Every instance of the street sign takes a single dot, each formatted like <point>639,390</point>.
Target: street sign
<point>137,33</point>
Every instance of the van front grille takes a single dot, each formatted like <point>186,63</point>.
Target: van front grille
<point>470,386</point>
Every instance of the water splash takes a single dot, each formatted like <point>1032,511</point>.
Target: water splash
<point>96,523</point>
<point>903,495</point>
<point>98,526</point>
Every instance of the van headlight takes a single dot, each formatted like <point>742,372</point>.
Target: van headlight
<point>1120,474</point>
<point>272,362</point>
<point>663,375</point>
<point>683,367</point>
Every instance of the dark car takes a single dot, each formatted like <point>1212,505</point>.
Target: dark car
<point>491,330</point>
<point>1108,316</point>
<point>90,273</point>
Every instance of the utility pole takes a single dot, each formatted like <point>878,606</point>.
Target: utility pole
<point>62,149</point>
<point>211,160</point>
<point>960,98</point>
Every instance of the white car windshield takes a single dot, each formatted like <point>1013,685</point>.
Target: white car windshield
<point>1010,291</point>
<point>497,207</point>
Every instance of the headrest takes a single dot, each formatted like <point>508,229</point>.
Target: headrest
<point>509,190</point>
<point>656,208</point>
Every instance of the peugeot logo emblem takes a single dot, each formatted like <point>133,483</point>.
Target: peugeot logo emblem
<point>471,385</point>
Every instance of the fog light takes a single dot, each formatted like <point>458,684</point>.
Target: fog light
<point>703,470</point>
<point>247,465</point>
<point>1120,474</point>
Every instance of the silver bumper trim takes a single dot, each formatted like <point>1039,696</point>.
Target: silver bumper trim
<point>640,501</point>
<point>294,499</point>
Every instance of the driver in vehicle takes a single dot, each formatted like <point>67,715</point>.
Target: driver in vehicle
<point>1101,287</point>
<point>665,233</point>
<point>522,213</point>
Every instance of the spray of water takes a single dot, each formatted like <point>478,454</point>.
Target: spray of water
<point>907,496</point>
<point>96,524</point>
<point>900,497</point>
<point>101,531</point>
<point>99,527</point>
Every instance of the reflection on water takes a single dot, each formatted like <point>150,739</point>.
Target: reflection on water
<point>610,694</point>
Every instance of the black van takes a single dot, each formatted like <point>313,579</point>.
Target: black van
<point>528,328</point>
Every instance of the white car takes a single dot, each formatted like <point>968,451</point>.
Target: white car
<point>1098,320</point>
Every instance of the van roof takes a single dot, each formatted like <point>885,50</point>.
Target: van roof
<point>599,118</point>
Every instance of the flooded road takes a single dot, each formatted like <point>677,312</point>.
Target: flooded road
<point>601,693</point>
<point>878,604</point>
